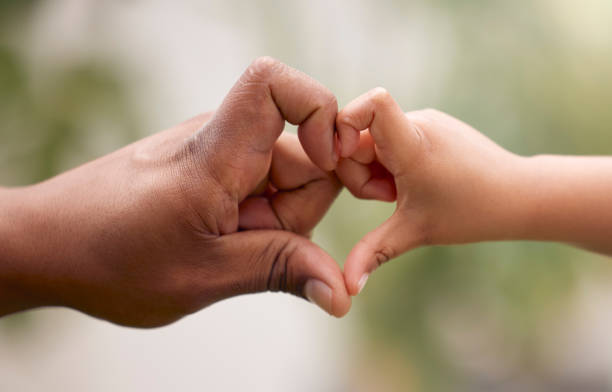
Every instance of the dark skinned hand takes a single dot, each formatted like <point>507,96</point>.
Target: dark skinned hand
<point>215,207</point>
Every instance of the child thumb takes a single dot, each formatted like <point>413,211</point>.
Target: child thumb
<point>392,238</point>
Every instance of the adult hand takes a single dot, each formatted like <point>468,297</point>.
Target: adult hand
<point>155,231</point>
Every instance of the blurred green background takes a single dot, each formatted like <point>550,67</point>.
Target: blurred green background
<point>534,76</point>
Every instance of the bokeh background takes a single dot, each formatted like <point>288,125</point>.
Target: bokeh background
<point>80,78</point>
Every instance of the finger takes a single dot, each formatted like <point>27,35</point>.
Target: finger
<point>364,177</point>
<point>253,114</point>
<point>392,133</point>
<point>366,181</point>
<point>256,213</point>
<point>291,168</point>
<point>392,238</point>
<point>348,138</point>
<point>365,152</point>
<point>270,260</point>
<point>303,192</point>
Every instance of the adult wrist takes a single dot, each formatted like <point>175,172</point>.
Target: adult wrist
<point>22,284</point>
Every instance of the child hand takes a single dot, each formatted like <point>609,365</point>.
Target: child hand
<point>452,184</point>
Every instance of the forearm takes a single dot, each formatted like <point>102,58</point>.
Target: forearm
<point>567,199</point>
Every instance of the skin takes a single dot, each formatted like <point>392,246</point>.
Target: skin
<point>453,185</point>
<point>214,207</point>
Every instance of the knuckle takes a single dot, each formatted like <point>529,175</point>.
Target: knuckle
<point>381,251</point>
<point>383,255</point>
<point>346,120</point>
<point>420,125</point>
<point>427,117</point>
<point>263,67</point>
<point>321,98</point>
<point>431,112</point>
<point>328,100</point>
<point>188,203</point>
<point>418,118</point>
<point>343,118</point>
<point>281,253</point>
<point>380,96</point>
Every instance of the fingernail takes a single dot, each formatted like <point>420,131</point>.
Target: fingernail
<point>319,293</point>
<point>362,282</point>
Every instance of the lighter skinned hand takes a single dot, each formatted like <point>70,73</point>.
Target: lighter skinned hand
<point>215,207</point>
<point>452,184</point>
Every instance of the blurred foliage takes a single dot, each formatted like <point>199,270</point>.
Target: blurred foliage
<point>55,119</point>
<point>57,116</point>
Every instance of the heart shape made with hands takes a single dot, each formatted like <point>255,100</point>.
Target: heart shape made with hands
<point>300,182</point>
<point>281,185</point>
<point>223,204</point>
<point>296,194</point>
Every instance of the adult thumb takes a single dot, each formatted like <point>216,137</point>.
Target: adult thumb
<point>390,239</point>
<point>272,260</point>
